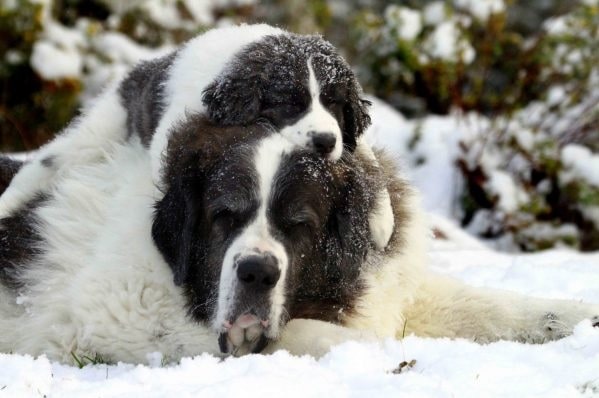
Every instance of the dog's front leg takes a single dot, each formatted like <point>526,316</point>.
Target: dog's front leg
<point>381,220</point>
<point>448,308</point>
<point>315,338</point>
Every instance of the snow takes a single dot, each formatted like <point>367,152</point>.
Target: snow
<point>445,42</point>
<point>428,150</point>
<point>425,150</point>
<point>481,9</point>
<point>434,13</point>
<point>52,62</point>
<point>408,22</point>
<point>443,368</point>
<point>166,14</point>
<point>509,196</point>
<point>121,49</point>
<point>580,162</point>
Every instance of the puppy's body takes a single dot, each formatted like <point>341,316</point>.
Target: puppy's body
<point>100,276</point>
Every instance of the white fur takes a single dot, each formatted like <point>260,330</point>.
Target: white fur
<point>102,286</point>
<point>316,120</point>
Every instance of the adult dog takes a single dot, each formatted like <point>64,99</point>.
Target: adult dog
<point>296,84</point>
<point>268,243</point>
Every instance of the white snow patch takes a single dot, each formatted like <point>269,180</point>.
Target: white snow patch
<point>69,39</point>
<point>556,95</point>
<point>446,42</point>
<point>503,186</point>
<point>425,150</point>
<point>434,13</point>
<point>121,49</point>
<point>52,62</point>
<point>406,21</point>
<point>581,163</point>
<point>556,26</point>
<point>481,9</point>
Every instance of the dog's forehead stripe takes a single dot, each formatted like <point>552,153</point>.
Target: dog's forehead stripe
<point>267,160</point>
<point>313,82</point>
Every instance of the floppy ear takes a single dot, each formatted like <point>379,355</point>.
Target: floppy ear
<point>355,118</point>
<point>176,222</point>
<point>348,228</point>
<point>233,101</point>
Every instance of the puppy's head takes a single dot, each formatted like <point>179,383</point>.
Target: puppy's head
<point>299,84</point>
<point>257,232</point>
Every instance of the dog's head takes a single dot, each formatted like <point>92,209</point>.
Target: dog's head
<point>258,232</point>
<point>299,84</point>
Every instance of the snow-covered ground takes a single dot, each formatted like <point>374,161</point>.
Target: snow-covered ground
<point>443,367</point>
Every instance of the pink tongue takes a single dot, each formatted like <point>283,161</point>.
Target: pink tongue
<point>246,320</point>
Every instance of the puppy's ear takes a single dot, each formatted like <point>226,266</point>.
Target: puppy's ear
<point>355,117</point>
<point>233,101</point>
<point>176,222</point>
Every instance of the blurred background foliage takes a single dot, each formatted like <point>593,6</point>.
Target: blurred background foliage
<point>528,68</point>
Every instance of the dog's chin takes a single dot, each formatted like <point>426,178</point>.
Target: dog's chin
<point>245,333</point>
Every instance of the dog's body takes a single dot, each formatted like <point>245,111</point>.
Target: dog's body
<point>91,265</point>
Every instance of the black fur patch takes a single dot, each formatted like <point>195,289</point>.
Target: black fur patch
<point>268,80</point>
<point>320,213</point>
<point>8,168</point>
<point>48,161</point>
<point>20,243</point>
<point>141,95</point>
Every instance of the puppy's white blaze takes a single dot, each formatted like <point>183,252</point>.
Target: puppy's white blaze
<point>317,119</point>
<point>257,237</point>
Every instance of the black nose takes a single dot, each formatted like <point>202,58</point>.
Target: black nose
<point>324,143</point>
<point>259,273</point>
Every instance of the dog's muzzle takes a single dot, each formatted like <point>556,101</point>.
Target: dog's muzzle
<point>247,325</point>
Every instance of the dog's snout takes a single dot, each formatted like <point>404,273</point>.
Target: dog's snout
<point>259,273</point>
<point>324,143</point>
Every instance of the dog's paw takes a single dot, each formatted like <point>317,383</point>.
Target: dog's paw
<point>554,328</point>
<point>246,335</point>
<point>315,338</point>
<point>381,220</point>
